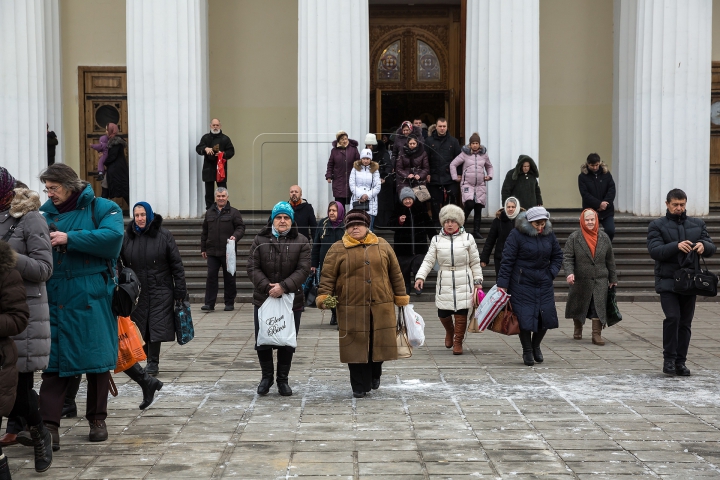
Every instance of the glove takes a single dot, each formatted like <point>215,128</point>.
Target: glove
<point>100,177</point>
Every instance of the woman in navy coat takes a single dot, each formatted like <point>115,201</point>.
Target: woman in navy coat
<point>531,260</point>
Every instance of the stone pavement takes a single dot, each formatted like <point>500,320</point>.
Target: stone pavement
<point>586,412</point>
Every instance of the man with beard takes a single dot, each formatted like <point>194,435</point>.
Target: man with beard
<point>304,213</point>
<point>211,145</point>
<point>442,148</point>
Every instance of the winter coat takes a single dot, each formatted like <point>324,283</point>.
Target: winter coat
<point>218,227</point>
<point>284,260</point>
<point>366,279</point>
<point>664,234</point>
<point>102,148</point>
<point>595,188</point>
<point>401,140</point>
<point>365,180</point>
<point>116,168</point>
<point>82,326</point>
<point>339,166</point>
<point>460,269</point>
<point>14,315</point>
<point>387,198</point>
<point>31,242</point>
<point>499,231</point>
<point>155,258</point>
<point>530,263</point>
<point>523,186</point>
<point>441,150</point>
<point>325,236</point>
<point>411,238</point>
<point>592,275</point>
<point>52,142</point>
<point>209,140</point>
<point>305,219</point>
<point>413,162</point>
<point>475,166</point>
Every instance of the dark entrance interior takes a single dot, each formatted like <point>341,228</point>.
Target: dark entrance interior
<point>400,106</point>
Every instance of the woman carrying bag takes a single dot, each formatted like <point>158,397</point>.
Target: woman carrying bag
<point>365,185</point>
<point>330,230</point>
<point>501,226</point>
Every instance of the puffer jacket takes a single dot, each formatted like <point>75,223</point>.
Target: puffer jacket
<point>14,315</point>
<point>365,180</point>
<point>413,162</point>
<point>597,187</point>
<point>31,241</point>
<point>530,263</point>
<point>155,258</point>
<point>475,167</point>
<point>284,260</point>
<point>460,268</point>
<point>340,166</point>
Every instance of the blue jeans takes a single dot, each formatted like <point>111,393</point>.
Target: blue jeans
<point>608,225</point>
<point>372,222</point>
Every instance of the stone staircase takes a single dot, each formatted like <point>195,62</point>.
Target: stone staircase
<point>635,267</point>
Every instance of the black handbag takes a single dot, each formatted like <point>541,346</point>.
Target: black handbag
<point>693,280</point>
<point>612,312</point>
<point>310,288</point>
<point>363,206</point>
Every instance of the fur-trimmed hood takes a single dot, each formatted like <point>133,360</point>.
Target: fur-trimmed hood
<point>8,258</point>
<point>152,230</point>
<point>468,151</point>
<point>522,224</point>
<point>24,202</point>
<point>502,210</point>
<point>116,140</point>
<point>373,166</point>
<point>452,212</point>
<point>518,167</point>
<point>603,168</point>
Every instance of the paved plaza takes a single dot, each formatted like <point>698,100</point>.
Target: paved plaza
<point>586,412</point>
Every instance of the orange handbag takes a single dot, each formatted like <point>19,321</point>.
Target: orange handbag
<point>506,322</point>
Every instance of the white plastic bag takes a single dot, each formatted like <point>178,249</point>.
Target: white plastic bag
<point>491,305</point>
<point>230,256</point>
<point>415,326</point>
<point>277,322</point>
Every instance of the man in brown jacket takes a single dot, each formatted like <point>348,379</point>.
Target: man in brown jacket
<point>222,223</point>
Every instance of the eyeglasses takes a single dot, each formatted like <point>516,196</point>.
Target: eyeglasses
<point>52,190</point>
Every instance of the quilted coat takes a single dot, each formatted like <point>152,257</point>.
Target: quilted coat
<point>365,276</point>
<point>155,258</point>
<point>592,275</point>
<point>475,166</point>
<point>31,242</point>
<point>411,162</point>
<point>459,262</point>
<point>340,165</point>
<point>501,227</point>
<point>530,263</point>
<point>365,180</point>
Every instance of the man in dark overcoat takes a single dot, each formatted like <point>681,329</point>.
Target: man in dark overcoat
<point>210,146</point>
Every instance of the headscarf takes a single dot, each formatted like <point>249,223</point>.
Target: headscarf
<point>340,213</point>
<point>517,207</point>
<point>149,216</point>
<point>591,236</point>
<point>112,130</point>
<point>7,189</point>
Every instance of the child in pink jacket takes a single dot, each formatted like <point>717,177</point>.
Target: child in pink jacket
<point>476,172</point>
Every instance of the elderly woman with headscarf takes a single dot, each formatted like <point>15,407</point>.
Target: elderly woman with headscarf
<point>401,138</point>
<point>330,230</point>
<point>116,166</point>
<point>278,263</point>
<point>589,264</point>
<point>501,227</point>
<point>150,250</point>
<point>363,275</point>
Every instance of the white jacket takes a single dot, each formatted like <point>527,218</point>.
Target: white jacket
<point>365,180</point>
<point>459,269</point>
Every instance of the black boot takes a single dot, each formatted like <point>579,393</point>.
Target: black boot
<point>268,373</point>
<point>333,317</point>
<point>4,468</point>
<point>476,227</point>
<point>282,380</point>
<point>149,384</point>
<point>153,358</point>
<point>526,343</point>
<point>536,339</point>
<point>55,434</point>
<point>69,408</point>
<point>43,445</point>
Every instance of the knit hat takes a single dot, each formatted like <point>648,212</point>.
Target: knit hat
<point>406,192</point>
<point>366,153</point>
<point>452,212</point>
<point>7,189</point>
<point>283,207</point>
<point>354,217</point>
<point>370,139</point>
<point>340,134</point>
<point>474,138</point>
<point>537,213</point>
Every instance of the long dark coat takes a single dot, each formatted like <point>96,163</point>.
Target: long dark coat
<point>401,140</point>
<point>530,263</point>
<point>441,151</point>
<point>411,162</point>
<point>387,198</point>
<point>499,230</point>
<point>116,166</point>
<point>340,166</point>
<point>523,186</point>
<point>592,275</point>
<point>155,258</point>
<point>325,236</point>
<point>596,188</point>
<point>209,140</point>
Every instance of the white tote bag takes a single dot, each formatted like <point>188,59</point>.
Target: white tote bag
<point>230,256</point>
<point>277,322</point>
<point>415,326</point>
<point>491,305</point>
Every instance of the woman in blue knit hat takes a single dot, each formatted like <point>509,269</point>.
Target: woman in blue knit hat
<point>278,263</point>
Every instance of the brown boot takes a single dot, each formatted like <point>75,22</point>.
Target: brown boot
<point>596,330</point>
<point>449,331</point>
<point>577,333</point>
<point>460,328</point>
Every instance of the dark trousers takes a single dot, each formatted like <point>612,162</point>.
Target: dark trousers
<point>441,195</point>
<point>608,225</point>
<point>210,192</point>
<point>284,356</point>
<point>343,200</point>
<point>471,206</point>
<point>52,396</point>
<point>26,401</point>
<point>211,284</point>
<point>362,374</point>
<point>679,311</point>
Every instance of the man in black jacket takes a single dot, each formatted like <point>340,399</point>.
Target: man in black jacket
<point>669,241</point>
<point>597,189</point>
<point>304,213</point>
<point>211,144</point>
<point>222,223</point>
<point>442,148</point>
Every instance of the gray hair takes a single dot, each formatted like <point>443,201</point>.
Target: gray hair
<point>65,176</point>
<point>222,190</point>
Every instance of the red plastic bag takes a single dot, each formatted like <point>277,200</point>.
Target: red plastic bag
<point>221,175</point>
<point>130,345</point>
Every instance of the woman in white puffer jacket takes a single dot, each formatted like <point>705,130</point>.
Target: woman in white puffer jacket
<point>365,184</point>
<point>460,274</point>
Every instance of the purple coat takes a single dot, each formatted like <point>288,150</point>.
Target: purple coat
<point>475,166</point>
<point>339,167</point>
<point>415,163</point>
<point>101,147</point>
<point>401,141</point>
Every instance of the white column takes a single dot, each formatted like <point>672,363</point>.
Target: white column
<point>502,84</point>
<point>22,89</point>
<point>167,69</point>
<point>53,67</point>
<point>661,117</point>
<point>333,86</point>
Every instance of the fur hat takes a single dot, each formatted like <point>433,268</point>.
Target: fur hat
<point>354,217</point>
<point>406,192</point>
<point>366,153</point>
<point>537,213</point>
<point>370,139</point>
<point>340,134</point>
<point>474,138</point>
<point>452,212</point>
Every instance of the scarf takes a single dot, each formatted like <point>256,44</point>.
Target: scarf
<point>340,213</point>
<point>280,234</point>
<point>350,242</point>
<point>149,216</point>
<point>7,192</point>
<point>456,232</point>
<point>112,130</point>
<point>591,236</point>
<point>679,219</point>
<point>70,204</point>
<point>517,207</point>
